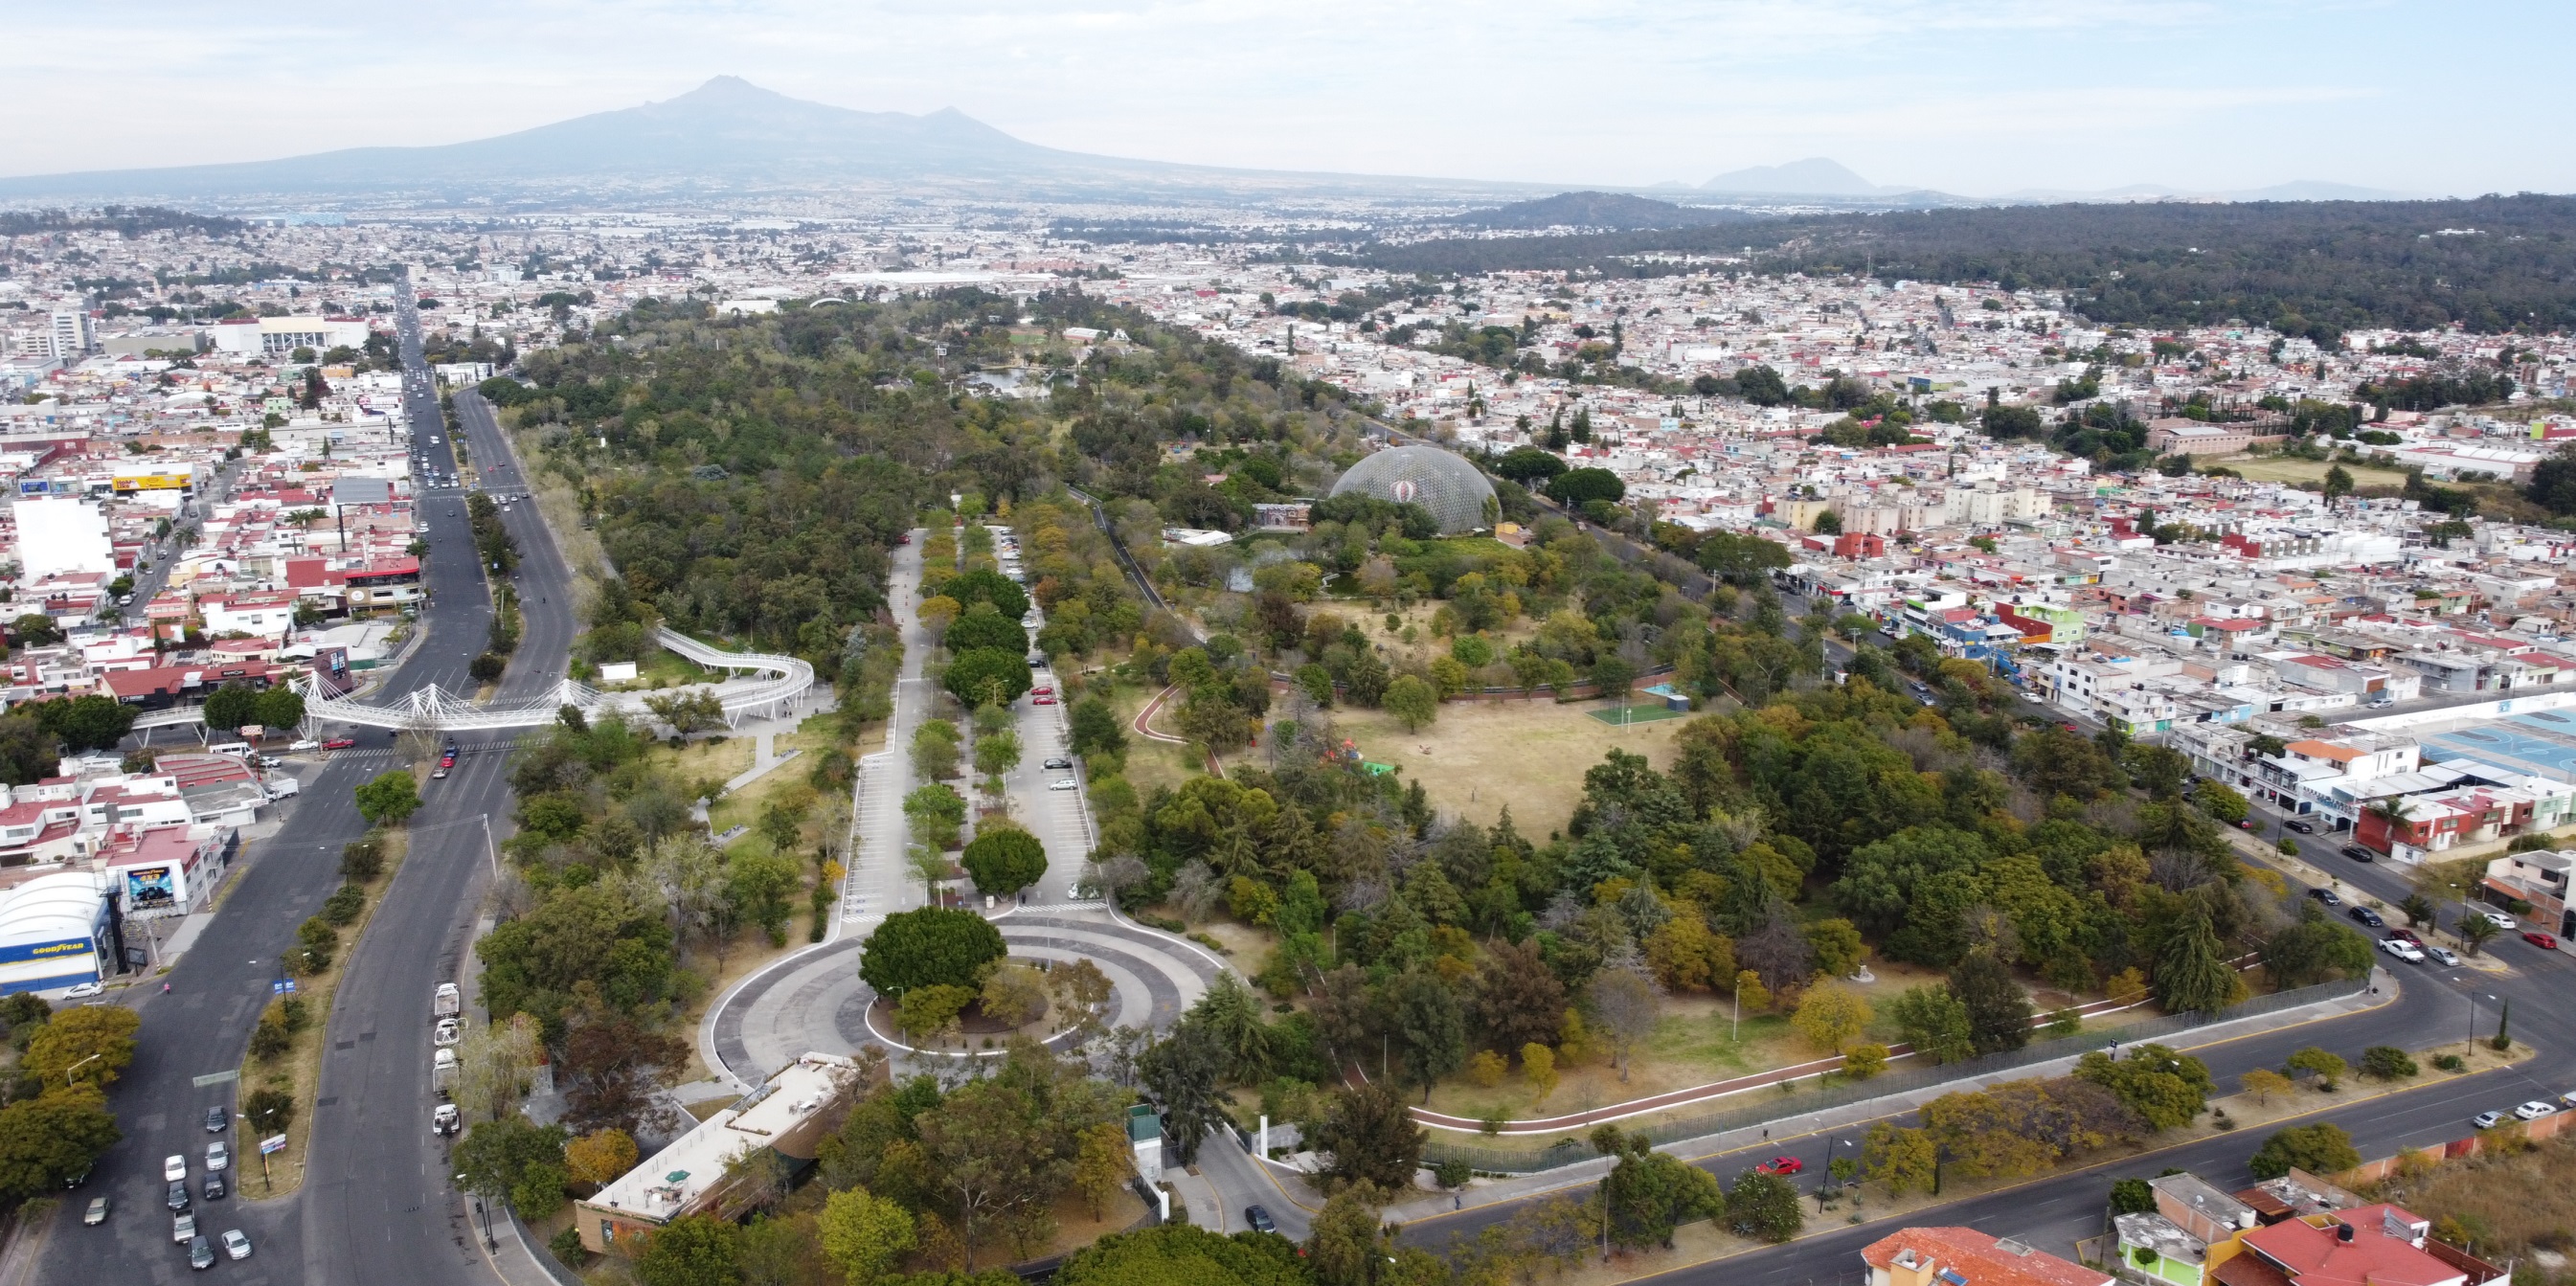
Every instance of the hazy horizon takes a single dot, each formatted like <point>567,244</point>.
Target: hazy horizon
<point>1976,97</point>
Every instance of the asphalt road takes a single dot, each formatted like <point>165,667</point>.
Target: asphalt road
<point>375,1205</point>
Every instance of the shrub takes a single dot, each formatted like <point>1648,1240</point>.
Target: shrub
<point>363,859</point>
<point>269,1039</point>
<point>487,668</point>
<point>342,907</point>
<point>1486,1068</point>
<point>2387,1063</point>
<point>2450,1062</point>
<point>1452,1174</point>
<point>2320,1149</point>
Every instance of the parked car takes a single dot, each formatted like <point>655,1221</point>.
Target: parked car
<point>1065,784</point>
<point>174,1168</point>
<point>201,1252</point>
<point>1258,1219</point>
<point>182,1227</point>
<point>218,1157</point>
<point>2326,896</point>
<point>177,1197</point>
<point>216,1188</point>
<point>97,1212</point>
<point>1043,701</point>
<point>1043,691</point>
<point>2500,919</point>
<point>2442,956</point>
<point>2534,1110</point>
<point>2544,941</point>
<point>2304,828</point>
<point>439,773</point>
<point>2367,916</point>
<point>1781,1165</point>
<point>1059,762</point>
<point>2403,950</point>
<point>2357,853</point>
<point>84,990</point>
<point>306,743</point>
<point>217,1119</point>
<point>2248,824</point>
<point>236,1244</point>
<point>2487,1120</point>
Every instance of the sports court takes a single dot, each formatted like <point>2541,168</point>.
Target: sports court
<point>2542,743</point>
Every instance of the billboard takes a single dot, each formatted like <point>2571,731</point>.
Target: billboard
<point>13,952</point>
<point>151,888</point>
<point>154,481</point>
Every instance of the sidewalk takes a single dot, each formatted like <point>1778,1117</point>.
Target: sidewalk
<point>1853,1115</point>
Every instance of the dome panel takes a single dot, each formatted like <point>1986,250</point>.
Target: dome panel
<point>1443,482</point>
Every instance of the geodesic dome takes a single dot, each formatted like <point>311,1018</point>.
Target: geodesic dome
<point>1441,481</point>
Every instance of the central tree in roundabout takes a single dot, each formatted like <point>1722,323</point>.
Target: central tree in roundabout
<point>930,947</point>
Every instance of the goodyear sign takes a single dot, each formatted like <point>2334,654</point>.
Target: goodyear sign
<point>154,481</point>
<point>14,952</point>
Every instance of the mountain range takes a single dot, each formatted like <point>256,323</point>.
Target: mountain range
<point>729,135</point>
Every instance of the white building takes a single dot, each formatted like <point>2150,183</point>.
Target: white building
<point>279,336</point>
<point>59,534</point>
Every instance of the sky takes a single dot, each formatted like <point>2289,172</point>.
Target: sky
<point>1978,97</point>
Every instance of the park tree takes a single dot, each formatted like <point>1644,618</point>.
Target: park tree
<point>863,1235</point>
<point>1370,1137</point>
<point>1102,1165</point>
<point>1005,860</point>
<point>231,706</point>
<point>2189,973</point>
<point>934,749</point>
<point>1181,1070</point>
<point>989,676</point>
<point>1628,1005</point>
<point>926,947</point>
<point>1432,1025</point>
<point>1935,1023</point>
<point>599,1157</point>
<point>1412,701</point>
<point>1831,1015</point>
<point>692,1250</point>
<point>2263,1083</point>
<point>935,813</point>
<point>1998,1009</point>
<point>1574,487</point>
<point>1094,728</point>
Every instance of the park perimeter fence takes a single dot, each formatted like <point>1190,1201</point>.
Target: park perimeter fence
<point>1764,1105</point>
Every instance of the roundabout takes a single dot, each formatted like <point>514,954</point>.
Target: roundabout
<point>814,1001</point>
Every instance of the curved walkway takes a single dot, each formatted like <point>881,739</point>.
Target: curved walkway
<point>814,1000</point>
<point>1144,726</point>
<point>434,708</point>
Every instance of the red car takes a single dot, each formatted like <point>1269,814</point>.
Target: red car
<point>1044,701</point>
<point>2246,825</point>
<point>339,743</point>
<point>1044,692</point>
<point>447,760</point>
<point>2068,727</point>
<point>2544,941</point>
<point>1780,1165</point>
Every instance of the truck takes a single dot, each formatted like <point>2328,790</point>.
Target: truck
<point>445,1121</point>
<point>448,1002</point>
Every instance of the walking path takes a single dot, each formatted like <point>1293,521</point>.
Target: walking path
<point>1144,726</point>
<point>1589,1171</point>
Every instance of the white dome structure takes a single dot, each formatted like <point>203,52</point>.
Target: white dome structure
<point>1443,482</point>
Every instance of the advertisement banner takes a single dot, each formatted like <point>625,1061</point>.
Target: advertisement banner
<point>273,1143</point>
<point>16,952</point>
<point>152,888</point>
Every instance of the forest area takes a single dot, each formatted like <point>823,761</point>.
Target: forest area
<point>756,472</point>
<point>2495,264</point>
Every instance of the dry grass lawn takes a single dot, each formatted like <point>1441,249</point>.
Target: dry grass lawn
<point>2282,468</point>
<point>2510,1206</point>
<point>1480,756</point>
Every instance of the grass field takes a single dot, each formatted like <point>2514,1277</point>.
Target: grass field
<point>1480,755</point>
<point>2281,468</point>
<point>1636,714</point>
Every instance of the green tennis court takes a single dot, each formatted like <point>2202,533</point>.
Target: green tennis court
<point>1636,714</point>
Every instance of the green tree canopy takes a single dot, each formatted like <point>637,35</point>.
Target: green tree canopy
<point>989,674</point>
<point>390,799</point>
<point>1005,861</point>
<point>1575,487</point>
<point>1185,1255</point>
<point>2323,1149</point>
<point>928,947</point>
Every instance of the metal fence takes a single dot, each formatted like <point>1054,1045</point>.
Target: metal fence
<point>1765,1105</point>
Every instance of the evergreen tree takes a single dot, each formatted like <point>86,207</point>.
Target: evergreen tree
<point>2189,973</point>
<point>1998,1009</point>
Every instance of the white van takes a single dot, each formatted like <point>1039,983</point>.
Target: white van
<point>237,749</point>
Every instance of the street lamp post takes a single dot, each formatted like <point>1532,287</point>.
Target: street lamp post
<point>67,1072</point>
